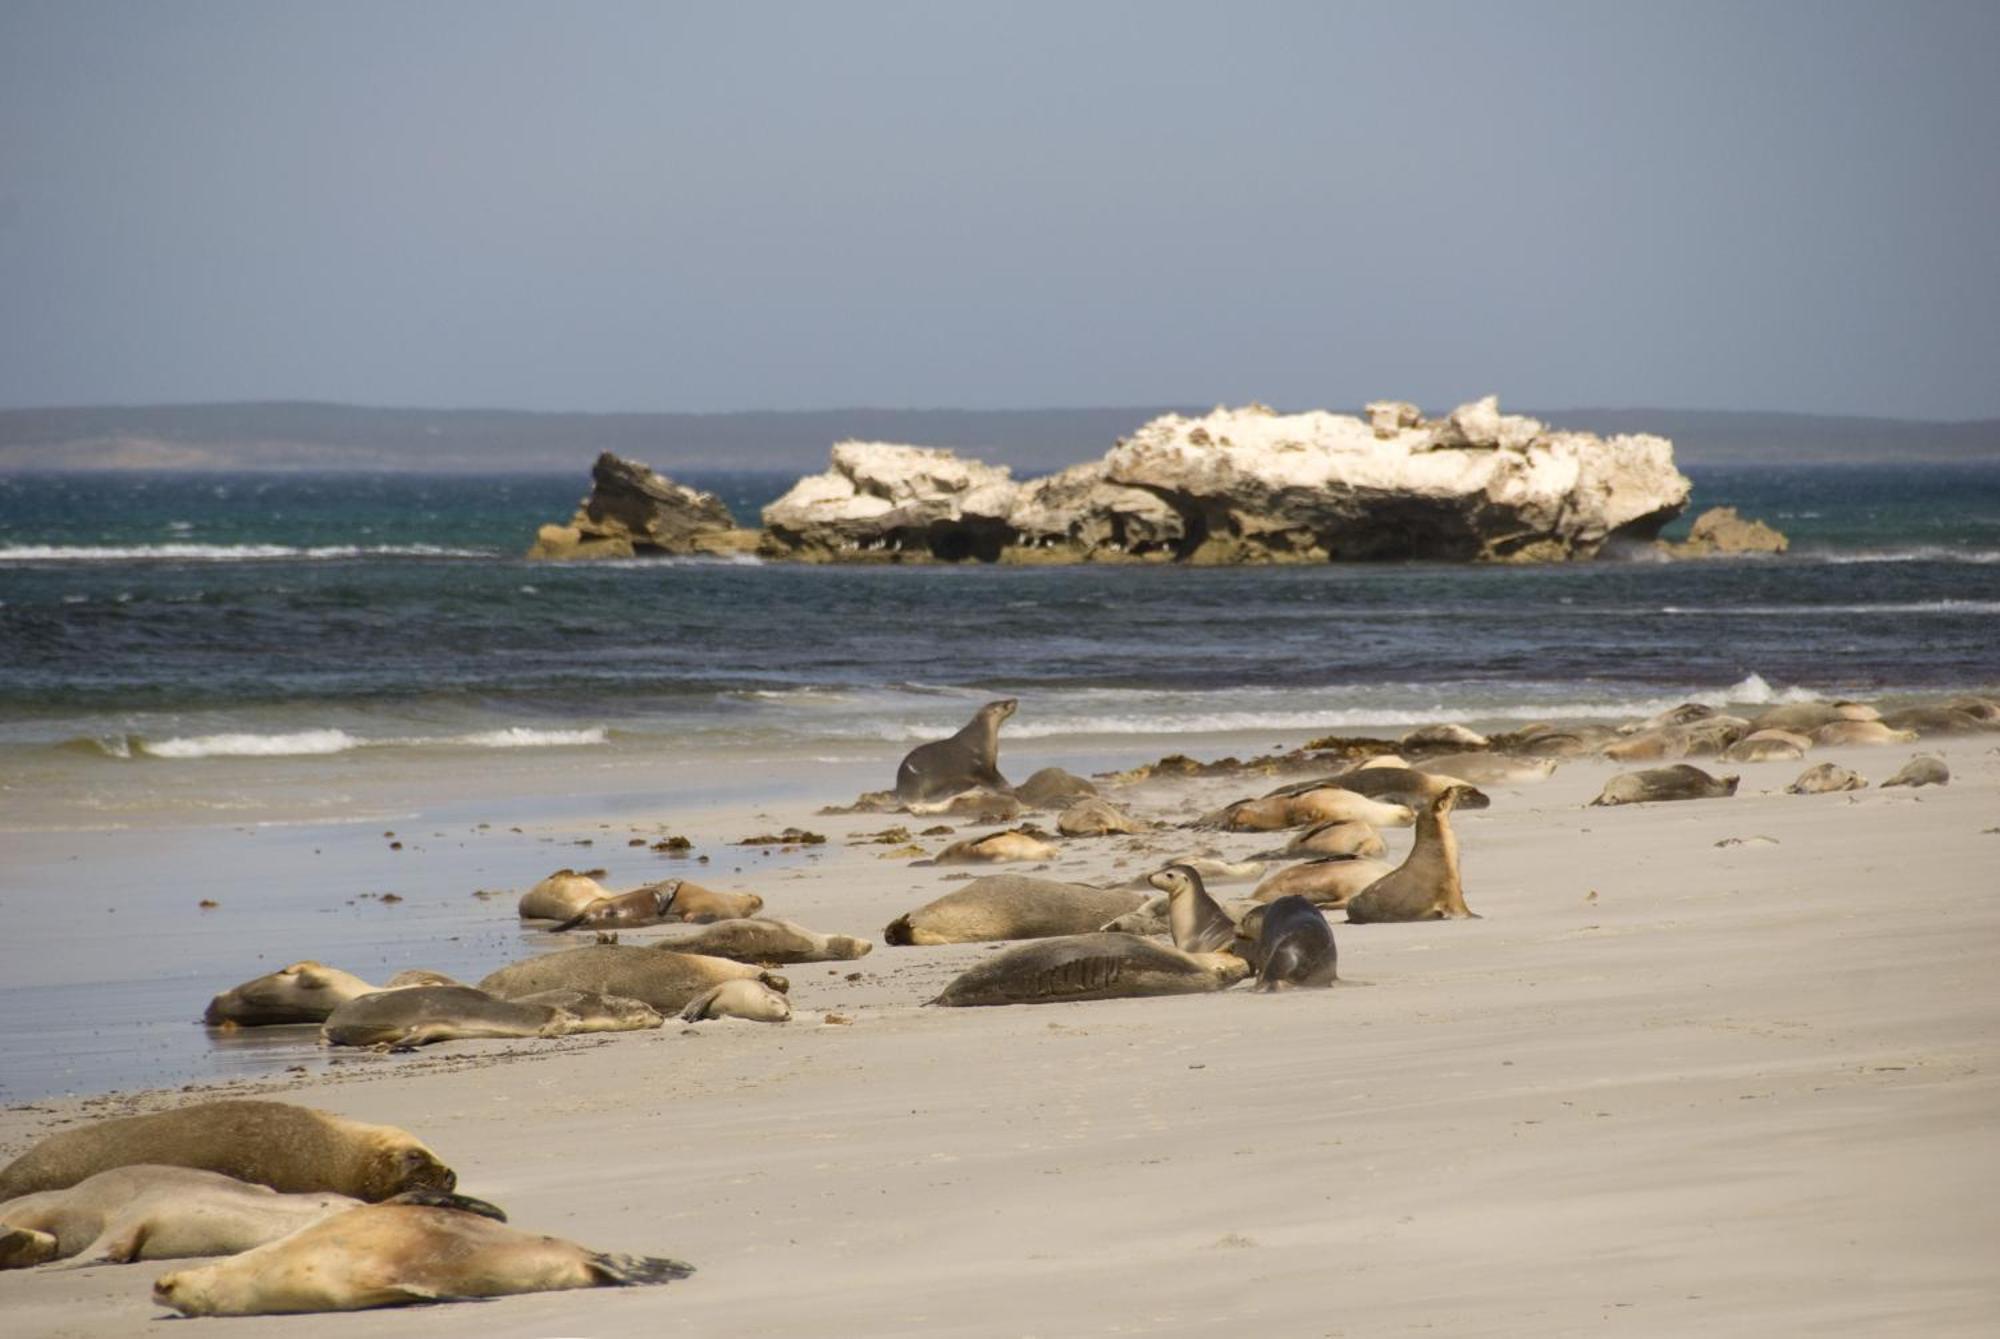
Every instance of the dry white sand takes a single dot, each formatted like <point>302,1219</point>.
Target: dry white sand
<point>1666,1086</point>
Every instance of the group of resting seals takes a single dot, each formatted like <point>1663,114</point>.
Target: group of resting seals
<point>314,1212</point>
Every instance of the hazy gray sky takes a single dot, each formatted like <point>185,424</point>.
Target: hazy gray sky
<point>658,206</point>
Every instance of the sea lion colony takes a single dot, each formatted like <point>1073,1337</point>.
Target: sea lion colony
<point>366,1212</point>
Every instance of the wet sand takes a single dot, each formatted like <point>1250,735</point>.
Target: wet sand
<point>1665,1084</point>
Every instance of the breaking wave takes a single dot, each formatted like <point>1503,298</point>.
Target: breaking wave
<point>320,743</point>
<point>221,553</point>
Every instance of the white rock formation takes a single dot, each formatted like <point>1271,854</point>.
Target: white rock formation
<point>886,500</point>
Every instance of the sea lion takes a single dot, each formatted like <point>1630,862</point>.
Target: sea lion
<point>1489,769</point>
<point>1682,781</point>
<point>561,895</point>
<point>660,977</point>
<point>739,999</point>
<point>1053,788</point>
<point>305,992</point>
<point>660,903</point>
<point>1687,713</point>
<point>764,939</point>
<point>1009,906</point>
<point>1198,925</point>
<point>1983,709</point>
<point>1338,838</point>
<point>1328,882</point>
<point>1805,717</point>
<point>152,1212</point>
<point>393,1255</point>
<point>1096,818</point>
<point>1825,779</point>
<point>1294,946</point>
<point>426,1014</point>
<point>1210,869</point>
<point>1543,740</point>
<point>1661,742</point>
<point>1426,886</point>
<point>1090,967</point>
<point>1926,769</point>
<point>1935,720</point>
<point>997,848</point>
<point>970,758</point>
<point>285,1147</point>
<point>1395,782</point>
<point>1443,735</point>
<point>1152,917</point>
<point>1321,804</point>
<point>1835,734</point>
<point>1767,746</point>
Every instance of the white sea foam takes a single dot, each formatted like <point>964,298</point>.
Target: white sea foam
<point>300,743</point>
<point>1817,610</point>
<point>520,737</point>
<point>310,743</point>
<point>1923,554</point>
<point>221,553</point>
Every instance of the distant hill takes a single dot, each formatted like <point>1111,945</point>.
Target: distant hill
<point>309,436</point>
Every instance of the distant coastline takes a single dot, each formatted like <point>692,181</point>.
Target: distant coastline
<point>301,436</point>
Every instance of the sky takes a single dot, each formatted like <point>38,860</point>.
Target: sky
<point>597,206</point>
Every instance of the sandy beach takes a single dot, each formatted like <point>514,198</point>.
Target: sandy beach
<point>1724,1065</point>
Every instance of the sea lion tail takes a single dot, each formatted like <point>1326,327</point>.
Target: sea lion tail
<point>624,1271</point>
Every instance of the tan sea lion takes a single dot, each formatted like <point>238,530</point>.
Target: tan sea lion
<point>1096,818</point>
<point>406,1018</point>
<point>1426,886</point>
<point>970,758</point>
<point>1338,838</point>
<point>739,999</point>
<point>1053,788</point>
<point>393,1255</point>
<point>1835,734</point>
<point>1197,924</point>
<point>1768,746</point>
<point>1489,769</point>
<point>1411,787</point>
<point>1010,906</point>
<point>285,1147</point>
<point>1682,781</point>
<point>1444,735</point>
<point>1323,804</point>
<point>1152,916</point>
<point>1659,743</point>
<point>1984,709</point>
<point>1826,778</point>
<point>305,992</point>
<point>152,1212</point>
<point>1687,713</point>
<point>664,979</point>
<point>561,895</point>
<point>1327,882</point>
<point>660,903</point>
<point>1090,967</point>
<point>764,939</point>
<point>1926,769</point>
<point>1543,740</point>
<point>1935,720</point>
<point>1212,871</point>
<point>998,848</point>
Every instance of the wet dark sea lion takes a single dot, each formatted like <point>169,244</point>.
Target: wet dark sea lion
<point>1294,946</point>
<point>969,759</point>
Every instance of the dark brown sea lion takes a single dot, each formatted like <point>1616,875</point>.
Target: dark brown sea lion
<point>1294,946</point>
<point>969,759</point>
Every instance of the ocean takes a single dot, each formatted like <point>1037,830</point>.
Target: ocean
<point>168,619</point>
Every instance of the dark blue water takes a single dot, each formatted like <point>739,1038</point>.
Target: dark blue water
<point>398,608</point>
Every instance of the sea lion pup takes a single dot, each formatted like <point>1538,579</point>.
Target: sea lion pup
<point>1825,779</point>
<point>998,848</point>
<point>1091,967</point>
<point>1837,733</point>
<point>1096,818</point>
<point>660,977</point>
<point>1320,804</point>
<point>393,1255</point>
<point>1152,918</point>
<point>1926,769</point>
<point>1682,781</point>
<point>305,992</point>
<point>1767,746</point>
<point>1053,788</point>
<point>1338,838</point>
<point>285,1147</point>
<point>1443,735</point>
<point>1328,882</point>
<point>764,939</point>
<point>971,758</point>
<point>1489,769</point>
<point>1426,886</point>
<point>1010,906</point>
<point>739,999</point>
<point>1198,925</point>
<point>1294,946</point>
<point>152,1212</point>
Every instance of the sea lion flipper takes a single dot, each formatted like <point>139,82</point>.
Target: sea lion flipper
<point>445,1199</point>
<point>698,1007</point>
<point>620,1271</point>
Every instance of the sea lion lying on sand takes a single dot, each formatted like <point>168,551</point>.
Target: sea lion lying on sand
<point>1011,906</point>
<point>1320,804</point>
<point>1768,746</point>
<point>406,1018</point>
<point>1826,778</point>
<point>660,977</point>
<point>765,939</point>
<point>1339,838</point>
<point>305,992</point>
<point>1923,770</point>
<point>999,848</point>
<point>1683,781</point>
<point>1329,881</point>
<point>1091,967</point>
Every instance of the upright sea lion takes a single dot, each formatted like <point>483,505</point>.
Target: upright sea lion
<point>1339,838</point>
<point>1683,781</point>
<point>1294,946</point>
<point>1835,734</point>
<point>659,977</point>
<point>1925,769</point>
<point>1489,769</point>
<point>1826,778</point>
<point>739,999</point>
<point>393,1255</point>
<point>970,758</point>
<point>285,1147</point>
<point>1197,923</point>
<point>1327,882</point>
<point>763,939</point>
<point>1010,906</point>
<point>1096,818</point>
<point>1426,886</point>
<point>1053,788</point>
<point>1091,967</point>
<point>998,848</point>
<point>305,992</point>
<point>1768,746</point>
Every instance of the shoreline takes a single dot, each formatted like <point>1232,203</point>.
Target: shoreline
<point>1664,1083</point>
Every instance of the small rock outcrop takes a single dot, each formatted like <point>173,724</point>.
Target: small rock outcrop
<point>633,511</point>
<point>891,503</point>
<point>1720,533</point>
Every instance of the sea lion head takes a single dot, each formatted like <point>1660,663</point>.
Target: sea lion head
<point>1001,709</point>
<point>189,1291</point>
<point>1467,797</point>
<point>400,1163</point>
<point>1175,879</point>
